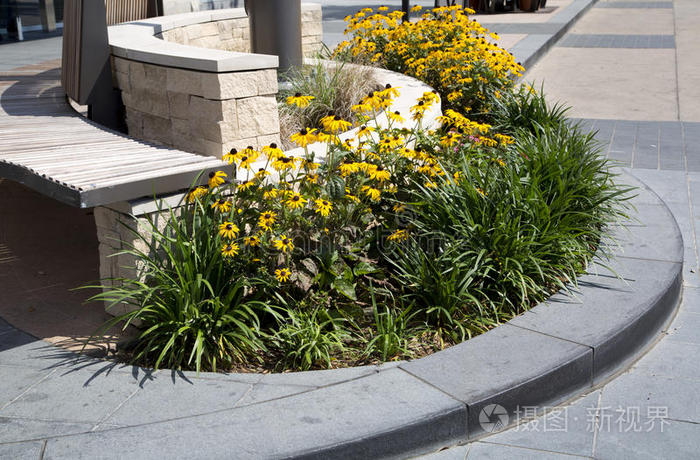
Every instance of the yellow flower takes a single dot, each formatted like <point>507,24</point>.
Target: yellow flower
<point>364,131</point>
<point>372,192</point>
<point>398,235</point>
<point>228,230</point>
<point>304,137</point>
<point>283,244</point>
<point>389,92</point>
<point>480,192</point>
<point>295,201</point>
<point>395,117</point>
<point>310,165</point>
<point>312,178</point>
<point>378,173</point>
<point>269,194</point>
<point>430,184</point>
<point>449,139</point>
<point>222,205</point>
<point>196,194</point>
<point>272,151</point>
<point>351,197</point>
<point>216,178</point>
<point>323,207</point>
<point>299,100</point>
<point>229,250</point>
<point>251,241</point>
<point>243,186</point>
<point>399,208</point>
<point>282,163</point>
<point>266,220</point>
<point>262,172</point>
<point>282,275</point>
<point>333,123</point>
<point>454,95</point>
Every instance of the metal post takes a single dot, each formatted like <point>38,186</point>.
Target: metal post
<point>48,15</point>
<point>406,8</point>
<point>275,28</point>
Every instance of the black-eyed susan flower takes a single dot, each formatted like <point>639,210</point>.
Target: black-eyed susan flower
<point>389,91</point>
<point>450,139</point>
<point>251,241</point>
<point>334,124</point>
<point>270,194</point>
<point>229,250</point>
<point>373,193</point>
<point>304,137</point>
<point>311,178</point>
<point>222,205</point>
<point>378,173</point>
<point>310,165</point>
<point>295,201</point>
<point>323,207</point>
<point>480,191</point>
<point>262,173</point>
<point>283,163</point>
<point>283,244</point>
<point>231,156</point>
<point>267,219</point>
<point>216,178</point>
<point>228,230</point>
<point>348,168</point>
<point>399,208</point>
<point>243,186</point>
<point>282,274</point>
<point>196,193</point>
<point>272,152</point>
<point>299,100</point>
<point>364,131</point>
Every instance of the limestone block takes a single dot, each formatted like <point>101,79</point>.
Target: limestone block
<point>148,101</point>
<point>312,28</point>
<point>245,142</point>
<point>192,32</point>
<point>258,116</point>
<point>179,104</point>
<point>311,13</point>
<point>208,29</point>
<point>212,42</point>
<point>241,23</point>
<point>106,220</point>
<point>176,35</point>
<point>121,81</point>
<point>134,122</point>
<point>195,42</point>
<point>212,109</point>
<point>156,128</point>
<point>209,148</point>
<point>268,139</point>
<point>184,81</point>
<point>121,65</point>
<point>225,27</point>
<point>229,85</point>
<point>267,82</point>
<point>222,132</point>
<point>180,128</point>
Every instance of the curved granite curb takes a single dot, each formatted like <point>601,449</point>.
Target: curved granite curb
<point>556,350</point>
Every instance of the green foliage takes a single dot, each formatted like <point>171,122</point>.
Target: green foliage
<point>526,109</point>
<point>309,338</point>
<point>392,332</point>
<point>193,312</point>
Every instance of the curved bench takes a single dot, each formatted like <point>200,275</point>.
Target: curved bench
<point>555,351</point>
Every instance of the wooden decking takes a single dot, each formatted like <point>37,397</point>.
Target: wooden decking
<point>46,146</point>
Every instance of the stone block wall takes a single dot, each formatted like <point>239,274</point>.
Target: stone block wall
<point>201,112</point>
<point>234,35</point>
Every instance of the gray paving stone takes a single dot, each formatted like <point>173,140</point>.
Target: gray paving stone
<point>192,376</point>
<point>486,450</point>
<point>453,453</point>
<point>629,308</point>
<point>670,359</point>
<point>616,41</point>
<point>665,184</point>
<point>391,412</point>
<point>163,399</point>
<point>319,378</point>
<point>524,368</point>
<point>686,327</point>
<point>679,440</point>
<point>17,379</point>
<point>262,392</point>
<point>22,429</point>
<point>635,5</point>
<point>78,396</point>
<point>653,239</point>
<point>679,397</point>
<point>22,451</point>
<point>568,430</point>
<point>5,326</point>
<point>691,300</point>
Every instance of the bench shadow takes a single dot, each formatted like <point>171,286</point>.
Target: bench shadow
<point>38,94</point>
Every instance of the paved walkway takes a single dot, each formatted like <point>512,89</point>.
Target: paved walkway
<point>631,69</point>
<point>641,94</point>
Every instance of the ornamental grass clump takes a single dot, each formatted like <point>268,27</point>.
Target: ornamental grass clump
<point>397,242</point>
<point>444,48</point>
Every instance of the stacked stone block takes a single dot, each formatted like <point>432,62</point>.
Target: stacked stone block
<point>200,112</point>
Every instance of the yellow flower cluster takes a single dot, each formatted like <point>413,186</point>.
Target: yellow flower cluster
<point>446,49</point>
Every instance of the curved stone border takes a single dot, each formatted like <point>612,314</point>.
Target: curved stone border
<point>556,350</point>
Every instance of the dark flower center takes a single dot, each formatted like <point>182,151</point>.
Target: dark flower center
<point>397,113</point>
<point>325,203</point>
<point>211,175</point>
<point>297,94</point>
<point>229,227</point>
<point>233,151</point>
<point>295,198</point>
<point>273,146</point>
<point>285,160</point>
<point>387,86</point>
<point>303,132</point>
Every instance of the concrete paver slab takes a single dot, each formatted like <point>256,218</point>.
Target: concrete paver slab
<point>679,440</point>
<point>24,450</point>
<point>626,21</point>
